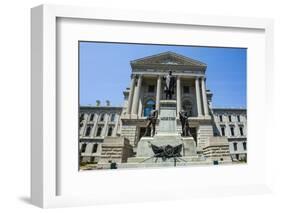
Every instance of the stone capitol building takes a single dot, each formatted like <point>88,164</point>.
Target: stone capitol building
<point>120,135</point>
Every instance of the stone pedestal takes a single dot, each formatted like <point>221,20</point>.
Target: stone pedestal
<point>115,149</point>
<point>189,146</point>
<point>167,134</point>
<point>217,149</point>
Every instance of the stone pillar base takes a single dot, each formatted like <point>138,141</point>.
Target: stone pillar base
<point>217,149</point>
<point>115,149</point>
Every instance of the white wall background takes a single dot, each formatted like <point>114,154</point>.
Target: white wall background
<point>15,103</point>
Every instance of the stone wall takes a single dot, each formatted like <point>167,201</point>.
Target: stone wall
<point>115,149</point>
<point>204,132</point>
<point>129,132</point>
<point>217,148</point>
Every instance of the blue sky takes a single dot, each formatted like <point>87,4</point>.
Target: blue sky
<point>105,71</point>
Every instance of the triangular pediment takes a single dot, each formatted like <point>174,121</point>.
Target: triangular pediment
<point>168,58</point>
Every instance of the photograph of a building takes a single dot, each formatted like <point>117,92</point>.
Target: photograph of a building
<point>167,119</point>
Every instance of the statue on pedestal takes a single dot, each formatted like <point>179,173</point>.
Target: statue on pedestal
<point>152,119</point>
<point>169,85</point>
<point>184,123</point>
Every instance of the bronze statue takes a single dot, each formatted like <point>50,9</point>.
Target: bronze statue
<point>169,85</point>
<point>152,119</point>
<point>184,123</point>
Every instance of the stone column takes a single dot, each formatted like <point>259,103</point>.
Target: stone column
<point>105,126</point>
<point>116,124</point>
<point>131,94</point>
<point>158,93</point>
<point>198,98</point>
<point>178,95</point>
<point>86,120</point>
<point>137,96</point>
<point>82,129</point>
<point>95,125</point>
<point>204,97</point>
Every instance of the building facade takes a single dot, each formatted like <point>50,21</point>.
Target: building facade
<point>100,123</point>
<point>96,123</point>
<point>232,123</point>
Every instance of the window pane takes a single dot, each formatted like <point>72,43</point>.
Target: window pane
<point>238,118</point>
<point>244,145</point>
<point>109,131</point>
<point>235,146</point>
<point>88,131</point>
<point>99,131</point>
<point>92,117</point>
<point>222,131</point>
<point>102,117</point>
<point>241,131</point>
<point>150,105</point>
<point>232,131</point>
<point>95,148</point>
<point>83,148</point>
<point>112,117</point>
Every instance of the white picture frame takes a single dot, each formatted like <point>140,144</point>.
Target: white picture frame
<point>44,149</point>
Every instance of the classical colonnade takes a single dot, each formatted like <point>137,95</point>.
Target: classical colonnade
<point>135,89</point>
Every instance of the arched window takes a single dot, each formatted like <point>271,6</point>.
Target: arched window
<point>149,105</point>
<point>99,131</point>
<point>109,133</point>
<point>102,117</point>
<point>187,106</point>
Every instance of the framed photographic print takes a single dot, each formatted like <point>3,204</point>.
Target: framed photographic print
<point>147,105</point>
<point>167,116</point>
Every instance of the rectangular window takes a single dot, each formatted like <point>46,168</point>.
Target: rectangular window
<point>241,131</point>
<point>112,117</point>
<point>235,146</point>
<point>95,148</point>
<point>229,118</point>
<point>186,89</point>
<point>99,131</point>
<point>102,117</point>
<point>92,117</point>
<point>151,88</point>
<point>222,131</point>
<point>83,148</point>
<point>238,118</point>
<point>232,131</point>
<point>220,118</point>
<point>245,145</point>
<point>88,131</point>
